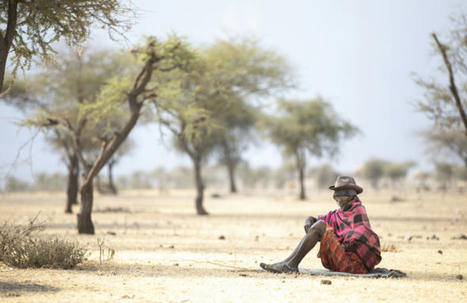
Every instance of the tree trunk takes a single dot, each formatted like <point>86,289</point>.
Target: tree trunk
<point>112,187</point>
<point>72,186</point>
<point>301,164</point>
<point>199,187</point>
<point>3,59</point>
<point>231,170</point>
<point>301,179</point>
<point>6,39</point>
<point>85,225</point>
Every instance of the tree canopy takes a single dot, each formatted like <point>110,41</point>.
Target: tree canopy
<point>307,127</point>
<point>30,28</point>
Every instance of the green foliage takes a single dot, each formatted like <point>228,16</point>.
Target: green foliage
<point>49,182</point>
<point>311,126</point>
<point>20,248</point>
<point>41,23</point>
<point>324,175</point>
<point>448,133</point>
<point>450,141</point>
<point>397,171</point>
<point>253,177</point>
<point>373,171</point>
<point>14,184</point>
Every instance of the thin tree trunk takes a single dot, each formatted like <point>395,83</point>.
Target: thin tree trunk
<point>231,171</point>
<point>301,179</point>
<point>6,39</point>
<point>300,159</point>
<point>72,186</point>
<point>85,225</point>
<point>112,187</point>
<point>199,187</point>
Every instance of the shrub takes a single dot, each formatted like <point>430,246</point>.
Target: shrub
<point>19,248</point>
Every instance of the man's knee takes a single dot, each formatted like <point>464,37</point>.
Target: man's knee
<point>318,229</point>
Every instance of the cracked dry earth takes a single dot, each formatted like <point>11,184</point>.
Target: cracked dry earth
<point>165,253</point>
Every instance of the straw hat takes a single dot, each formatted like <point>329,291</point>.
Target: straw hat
<point>346,182</point>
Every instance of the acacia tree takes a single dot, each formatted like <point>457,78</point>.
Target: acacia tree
<point>122,95</point>
<point>447,140</point>
<point>307,127</point>
<point>60,88</point>
<point>29,28</point>
<point>445,103</point>
<point>373,171</point>
<point>243,71</point>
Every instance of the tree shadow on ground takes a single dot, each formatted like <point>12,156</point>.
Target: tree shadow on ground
<point>6,288</point>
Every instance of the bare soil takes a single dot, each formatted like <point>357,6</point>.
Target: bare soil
<point>165,253</point>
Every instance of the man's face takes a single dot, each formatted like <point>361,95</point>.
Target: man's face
<point>342,200</point>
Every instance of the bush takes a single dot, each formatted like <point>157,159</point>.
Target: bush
<point>19,248</point>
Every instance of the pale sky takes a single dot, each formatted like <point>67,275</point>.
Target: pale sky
<point>359,55</point>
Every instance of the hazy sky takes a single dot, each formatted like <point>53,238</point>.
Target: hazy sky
<point>357,54</point>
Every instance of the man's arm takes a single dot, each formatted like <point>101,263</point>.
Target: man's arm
<point>309,222</point>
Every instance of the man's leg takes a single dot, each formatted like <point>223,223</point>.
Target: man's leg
<point>290,264</point>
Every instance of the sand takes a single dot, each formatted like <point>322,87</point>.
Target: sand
<point>165,253</point>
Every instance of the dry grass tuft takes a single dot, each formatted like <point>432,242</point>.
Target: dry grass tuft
<point>19,248</point>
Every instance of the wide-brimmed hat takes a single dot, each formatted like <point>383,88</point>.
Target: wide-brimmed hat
<point>346,182</point>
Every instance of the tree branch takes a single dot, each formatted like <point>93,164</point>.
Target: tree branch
<point>452,84</point>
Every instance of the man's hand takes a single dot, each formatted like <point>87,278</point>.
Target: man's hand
<point>309,222</point>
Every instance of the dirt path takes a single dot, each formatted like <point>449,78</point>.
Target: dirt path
<point>165,253</point>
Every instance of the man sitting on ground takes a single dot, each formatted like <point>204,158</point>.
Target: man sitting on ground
<point>348,244</point>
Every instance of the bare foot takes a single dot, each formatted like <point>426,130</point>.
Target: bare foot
<point>281,267</point>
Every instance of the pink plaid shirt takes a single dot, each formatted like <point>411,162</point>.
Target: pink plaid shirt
<point>353,230</point>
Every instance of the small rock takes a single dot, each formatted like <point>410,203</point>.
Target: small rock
<point>112,233</point>
<point>460,237</point>
<point>171,246</point>
<point>459,277</point>
<point>176,264</point>
<point>434,237</point>
<point>326,282</point>
<point>215,195</point>
<point>12,294</point>
<point>221,237</point>
<point>440,252</point>
<point>243,275</point>
<point>256,238</point>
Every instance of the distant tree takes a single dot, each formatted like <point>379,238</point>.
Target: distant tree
<point>307,127</point>
<point>324,175</point>
<point>53,182</point>
<point>243,71</point>
<point>373,171</point>
<point>452,141</point>
<point>30,28</point>
<point>14,184</point>
<point>444,173</point>
<point>122,95</point>
<point>61,88</point>
<point>445,103</point>
<point>210,114</point>
<point>397,171</point>
<point>254,177</point>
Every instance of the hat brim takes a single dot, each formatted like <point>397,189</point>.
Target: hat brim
<point>357,188</point>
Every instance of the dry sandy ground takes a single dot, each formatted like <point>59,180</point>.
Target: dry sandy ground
<point>165,253</point>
